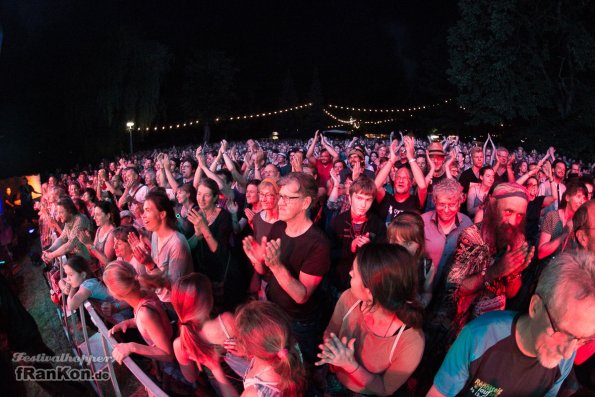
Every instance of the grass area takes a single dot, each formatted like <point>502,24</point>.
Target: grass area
<point>35,297</point>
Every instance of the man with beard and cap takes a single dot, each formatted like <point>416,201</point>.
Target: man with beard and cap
<point>505,353</point>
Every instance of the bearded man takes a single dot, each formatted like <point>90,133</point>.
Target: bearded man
<point>484,272</point>
<point>490,256</point>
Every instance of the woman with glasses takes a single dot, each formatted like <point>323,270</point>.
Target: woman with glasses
<point>268,192</point>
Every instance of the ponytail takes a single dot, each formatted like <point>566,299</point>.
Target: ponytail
<point>192,299</point>
<point>290,367</point>
<point>264,330</point>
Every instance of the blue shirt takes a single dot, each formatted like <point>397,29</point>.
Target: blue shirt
<point>485,361</point>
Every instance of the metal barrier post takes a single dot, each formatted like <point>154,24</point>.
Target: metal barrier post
<point>110,366</point>
<point>89,352</point>
<point>143,378</point>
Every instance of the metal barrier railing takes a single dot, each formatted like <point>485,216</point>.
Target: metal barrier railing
<point>107,344</point>
<point>106,339</point>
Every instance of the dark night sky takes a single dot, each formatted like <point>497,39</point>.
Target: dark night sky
<point>387,53</point>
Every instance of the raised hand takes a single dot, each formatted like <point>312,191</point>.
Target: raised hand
<point>409,143</point>
<point>231,206</point>
<point>513,261</point>
<point>297,164</point>
<point>198,220</point>
<point>452,156</point>
<point>356,171</point>
<point>337,352</point>
<point>430,161</point>
<point>272,254</point>
<point>223,147</point>
<point>336,178</point>
<point>393,157</point>
<point>254,251</point>
<point>249,214</point>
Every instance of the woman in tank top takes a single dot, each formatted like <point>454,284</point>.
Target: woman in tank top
<point>149,316</point>
<point>374,340</point>
<point>202,339</point>
<point>107,218</point>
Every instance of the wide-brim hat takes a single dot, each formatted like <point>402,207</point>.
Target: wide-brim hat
<point>356,152</point>
<point>436,149</point>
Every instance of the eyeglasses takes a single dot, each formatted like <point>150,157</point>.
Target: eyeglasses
<point>267,196</point>
<point>565,335</point>
<point>288,199</point>
<point>443,206</point>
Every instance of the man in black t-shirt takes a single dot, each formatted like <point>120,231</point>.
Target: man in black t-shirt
<point>295,260</point>
<point>471,175</point>
<point>389,206</point>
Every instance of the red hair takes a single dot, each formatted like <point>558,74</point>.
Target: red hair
<point>192,299</point>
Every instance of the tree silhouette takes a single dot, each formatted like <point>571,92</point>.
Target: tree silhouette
<point>207,91</point>
<point>529,62</point>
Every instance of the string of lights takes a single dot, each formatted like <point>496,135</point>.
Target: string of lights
<point>357,123</point>
<point>351,121</point>
<point>227,118</point>
<point>265,114</point>
<point>342,121</point>
<point>393,110</point>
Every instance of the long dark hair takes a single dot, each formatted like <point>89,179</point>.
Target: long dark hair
<point>68,205</point>
<point>161,201</point>
<point>79,265</point>
<point>390,273</point>
<point>188,188</point>
<point>109,208</point>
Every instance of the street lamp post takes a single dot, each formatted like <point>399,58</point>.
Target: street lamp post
<point>129,125</point>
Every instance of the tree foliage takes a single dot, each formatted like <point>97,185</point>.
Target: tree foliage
<point>529,60</point>
<point>119,80</point>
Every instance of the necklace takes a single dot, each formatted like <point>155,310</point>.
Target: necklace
<point>390,324</point>
<point>209,216</point>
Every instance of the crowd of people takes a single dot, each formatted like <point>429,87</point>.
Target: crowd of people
<point>344,268</point>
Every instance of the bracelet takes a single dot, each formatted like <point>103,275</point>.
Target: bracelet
<point>356,368</point>
<point>411,160</point>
